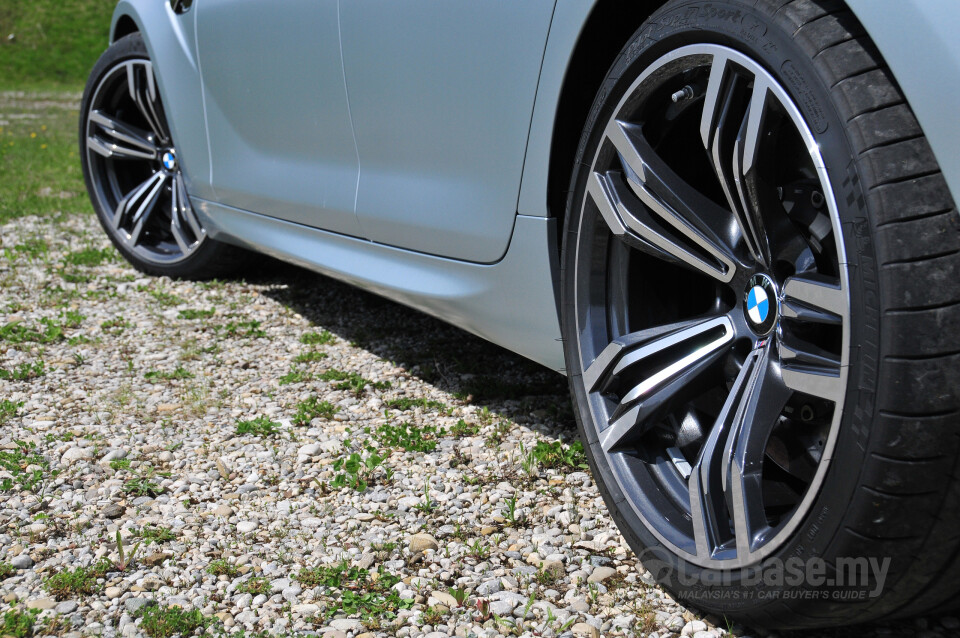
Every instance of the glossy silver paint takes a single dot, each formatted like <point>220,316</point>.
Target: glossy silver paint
<point>441,95</point>
<point>281,148</point>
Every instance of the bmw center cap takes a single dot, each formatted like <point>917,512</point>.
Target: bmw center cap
<point>169,161</point>
<point>761,305</point>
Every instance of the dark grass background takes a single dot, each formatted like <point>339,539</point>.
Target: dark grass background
<point>47,48</point>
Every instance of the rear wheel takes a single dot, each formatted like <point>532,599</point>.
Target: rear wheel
<point>734,312</point>
<point>133,174</point>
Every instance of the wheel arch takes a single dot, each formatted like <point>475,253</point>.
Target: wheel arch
<point>171,45</point>
<point>607,29</point>
<point>123,24</point>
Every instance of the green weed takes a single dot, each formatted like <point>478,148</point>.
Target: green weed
<point>313,408</point>
<point>164,622</point>
<point>351,381</point>
<point>406,403</point>
<point>255,585</point>
<point>90,257</point>
<point>19,624</point>
<point>179,373</point>
<point>9,409</point>
<point>81,581</point>
<point>356,471</point>
<point>317,338</point>
<point>260,426</point>
<point>16,463</point>
<point>151,534</point>
<point>191,314</point>
<point>409,436</point>
<point>221,567</point>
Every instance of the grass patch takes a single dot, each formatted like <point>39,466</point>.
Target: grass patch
<point>355,592</point>
<point>462,429</point>
<point>120,464</point>
<point>555,454</point>
<point>81,581</point>
<point>351,381</point>
<point>409,437</point>
<point>15,462</point>
<point>310,357</point>
<point>221,567</point>
<point>256,585</point>
<point>260,426</point>
<point>90,257</point>
<point>151,534</point>
<point>7,570</point>
<point>9,409</point>
<point>296,375</point>
<point>357,471</point>
<point>248,329</point>
<point>31,248</point>
<point>313,408</point>
<point>143,485</point>
<point>317,338</point>
<point>54,42</point>
<point>191,314</point>
<point>115,326</point>
<point>19,624</point>
<point>23,372</point>
<point>159,375</point>
<point>39,163</point>
<point>165,298</point>
<point>164,622</point>
<point>49,331</point>
<point>406,403</point>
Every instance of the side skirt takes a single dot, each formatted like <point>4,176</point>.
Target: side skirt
<point>513,302</point>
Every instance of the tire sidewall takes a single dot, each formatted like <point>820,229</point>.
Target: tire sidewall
<point>754,33</point>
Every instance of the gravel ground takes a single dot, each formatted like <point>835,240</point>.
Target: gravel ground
<point>286,454</point>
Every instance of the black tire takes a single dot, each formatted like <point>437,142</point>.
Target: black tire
<point>112,177</point>
<point>890,492</point>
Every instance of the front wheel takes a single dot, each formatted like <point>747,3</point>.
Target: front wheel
<point>751,310</point>
<point>134,175</point>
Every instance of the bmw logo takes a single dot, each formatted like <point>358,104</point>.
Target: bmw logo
<point>761,304</point>
<point>169,161</point>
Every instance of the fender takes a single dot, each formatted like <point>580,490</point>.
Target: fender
<point>172,46</point>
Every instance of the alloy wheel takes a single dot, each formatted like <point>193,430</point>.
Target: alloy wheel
<point>134,169</point>
<point>712,306</point>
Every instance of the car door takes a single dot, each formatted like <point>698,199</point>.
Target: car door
<point>280,137</point>
<point>441,94</point>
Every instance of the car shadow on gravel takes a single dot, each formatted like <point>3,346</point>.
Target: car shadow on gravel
<point>472,369</point>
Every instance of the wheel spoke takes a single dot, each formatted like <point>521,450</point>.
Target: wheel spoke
<point>123,140</point>
<point>666,195</point>
<point>726,477</point>
<point>186,210</point>
<point>143,90</point>
<point>643,231</point>
<point>652,367</point>
<point>134,209</point>
<point>182,213</point>
<point>707,500</point>
<point>731,143</point>
<point>814,298</point>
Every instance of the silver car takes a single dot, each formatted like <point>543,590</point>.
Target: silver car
<point>729,223</point>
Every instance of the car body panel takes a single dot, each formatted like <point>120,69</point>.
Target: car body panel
<point>568,20</point>
<point>441,118</point>
<point>276,109</point>
<point>513,300</point>
<point>918,40</point>
<point>511,303</point>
